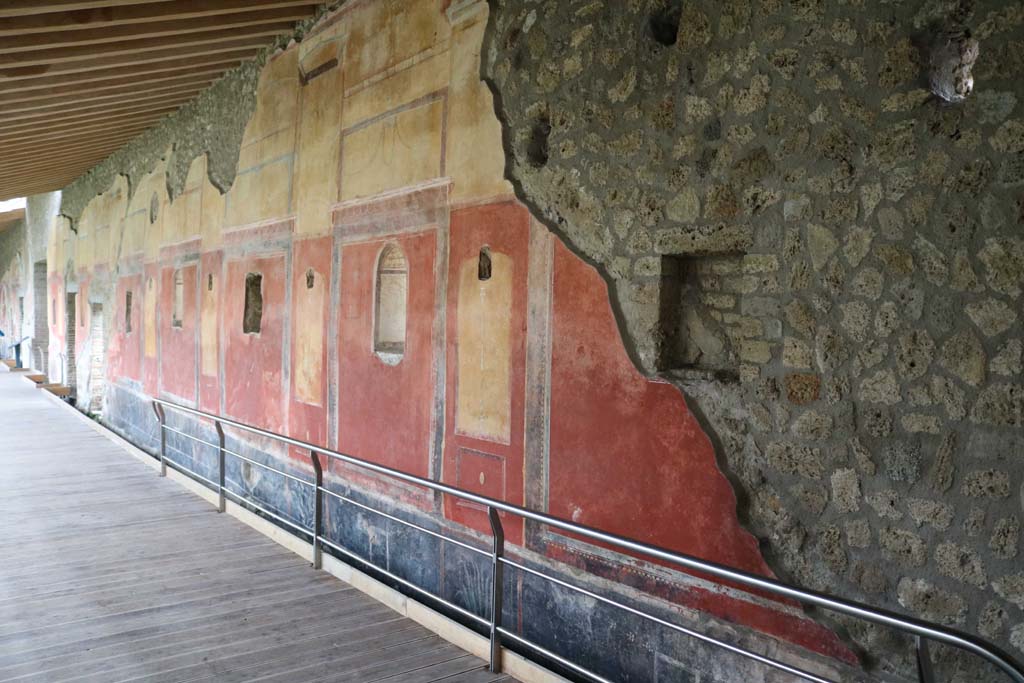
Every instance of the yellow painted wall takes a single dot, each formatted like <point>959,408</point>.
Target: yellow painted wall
<point>403,105</point>
<point>210,285</point>
<point>309,313</point>
<point>484,392</point>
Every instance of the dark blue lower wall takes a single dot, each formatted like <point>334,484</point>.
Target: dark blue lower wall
<point>613,643</point>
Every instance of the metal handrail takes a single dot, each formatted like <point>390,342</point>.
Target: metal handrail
<point>922,630</point>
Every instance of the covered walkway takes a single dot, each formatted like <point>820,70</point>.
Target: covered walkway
<point>109,573</point>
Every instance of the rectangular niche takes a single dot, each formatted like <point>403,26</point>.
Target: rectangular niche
<point>178,304</point>
<point>252,319</point>
<point>696,311</point>
<point>127,312</point>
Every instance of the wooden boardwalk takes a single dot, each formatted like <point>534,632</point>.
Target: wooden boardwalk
<point>110,573</point>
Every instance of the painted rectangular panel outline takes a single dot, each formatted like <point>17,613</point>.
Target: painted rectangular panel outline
<point>467,274</point>
<point>425,101</point>
<point>232,258</point>
<point>486,456</point>
<point>311,301</point>
<point>178,302</point>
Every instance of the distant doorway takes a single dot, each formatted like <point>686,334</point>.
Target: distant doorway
<point>99,345</point>
<point>72,324</point>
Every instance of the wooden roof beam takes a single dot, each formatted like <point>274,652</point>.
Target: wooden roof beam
<point>14,155</point>
<point>33,42</point>
<point>133,14</point>
<point>78,130</point>
<point>251,43</point>
<point>123,51</point>
<point>131,73</point>
<point>58,106</point>
<point>73,135</point>
<point>99,137</point>
<point>20,8</point>
<point>55,167</point>
<point>64,110</point>
<point>30,100</point>
<point>33,125</point>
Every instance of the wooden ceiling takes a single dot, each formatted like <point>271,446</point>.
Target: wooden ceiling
<point>80,78</point>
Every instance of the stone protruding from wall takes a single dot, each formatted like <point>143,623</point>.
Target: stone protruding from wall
<point>857,250</point>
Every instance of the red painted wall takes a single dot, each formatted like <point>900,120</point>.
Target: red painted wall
<point>124,349</point>
<point>150,364</point>
<point>253,362</point>
<point>626,454</point>
<point>209,385</point>
<point>504,228</point>
<point>178,344</point>
<point>82,314</point>
<point>384,410</point>
<point>308,421</point>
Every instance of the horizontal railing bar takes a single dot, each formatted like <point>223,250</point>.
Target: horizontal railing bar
<point>767,661</point>
<point>409,584</point>
<point>268,467</point>
<point>189,436</point>
<point>409,524</point>
<point>908,624</point>
<point>182,468</point>
<point>552,656</point>
<point>267,512</point>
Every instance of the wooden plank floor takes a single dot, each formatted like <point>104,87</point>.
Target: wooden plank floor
<point>110,573</point>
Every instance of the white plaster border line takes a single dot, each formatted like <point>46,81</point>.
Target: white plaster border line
<point>514,664</point>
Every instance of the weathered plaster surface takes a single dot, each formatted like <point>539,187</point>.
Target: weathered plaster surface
<point>772,200</point>
<point>774,195</point>
<point>212,125</point>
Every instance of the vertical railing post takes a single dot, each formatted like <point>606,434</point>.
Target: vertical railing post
<point>318,510</point>
<point>924,661</point>
<point>159,410</point>
<point>222,503</point>
<point>497,587</point>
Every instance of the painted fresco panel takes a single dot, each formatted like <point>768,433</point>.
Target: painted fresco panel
<point>149,302</point>
<point>307,414</point>
<point>484,392</point>
<point>396,151</point>
<point>504,229</point>
<point>124,349</point>
<point>253,391</point>
<point>385,33</point>
<point>210,282</point>
<point>260,193</point>
<point>316,172</point>
<point>475,157</point>
<point>384,407</point>
<point>178,344</point>
<point>413,83</point>
<point>149,308</point>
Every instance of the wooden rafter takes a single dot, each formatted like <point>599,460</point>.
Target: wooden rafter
<point>31,100</point>
<point>86,117</point>
<point>35,42</point>
<point>81,78</point>
<point>127,48</point>
<point>133,14</point>
<point>106,103</point>
<point>126,73</point>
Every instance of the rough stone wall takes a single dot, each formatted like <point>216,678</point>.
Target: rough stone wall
<point>826,257</point>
